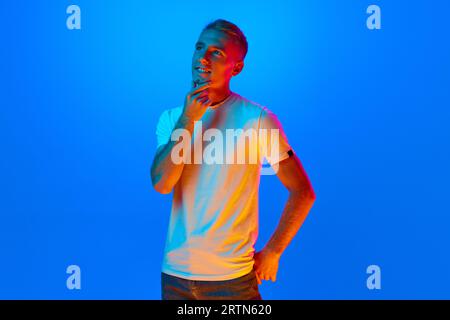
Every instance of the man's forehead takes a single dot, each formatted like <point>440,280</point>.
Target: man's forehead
<point>215,38</point>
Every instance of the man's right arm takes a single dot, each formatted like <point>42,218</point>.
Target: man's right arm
<point>165,173</point>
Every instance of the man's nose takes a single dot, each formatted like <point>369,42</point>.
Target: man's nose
<point>203,60</point>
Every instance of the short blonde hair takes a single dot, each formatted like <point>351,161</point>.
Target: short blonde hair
<point>232,30</point>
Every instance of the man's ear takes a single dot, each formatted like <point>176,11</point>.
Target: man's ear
<point>238,68</point>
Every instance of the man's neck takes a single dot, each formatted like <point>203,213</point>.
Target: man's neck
<point>218,97</point>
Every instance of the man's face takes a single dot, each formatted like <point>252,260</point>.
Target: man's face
<point>216,58</point>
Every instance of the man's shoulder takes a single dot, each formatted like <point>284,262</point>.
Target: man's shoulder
<point>251,105</point>
<point>260,112</point>
<point>172,114</point>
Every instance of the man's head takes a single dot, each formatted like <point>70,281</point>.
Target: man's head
<point>219,54</point>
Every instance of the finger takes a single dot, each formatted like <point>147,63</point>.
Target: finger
<point>201,87</point>
<point>207,103</point>
<point>200,94</point>
<point>202,99</point>
<point>198,82</point>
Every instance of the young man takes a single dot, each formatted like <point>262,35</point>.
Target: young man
<point>213,227</point>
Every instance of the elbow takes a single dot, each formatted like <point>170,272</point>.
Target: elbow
<point>307,194</point>
<point>160,187</point>
<point>159,184</point>
<point>312,196</point>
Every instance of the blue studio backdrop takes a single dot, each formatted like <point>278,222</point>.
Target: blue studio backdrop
<point>366,110</point>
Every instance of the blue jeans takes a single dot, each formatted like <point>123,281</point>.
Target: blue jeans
<point>242,288</point>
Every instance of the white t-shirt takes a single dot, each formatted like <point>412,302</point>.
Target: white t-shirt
<point>214,220</point>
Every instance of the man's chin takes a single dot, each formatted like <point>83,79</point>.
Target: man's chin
<point>199,82</point>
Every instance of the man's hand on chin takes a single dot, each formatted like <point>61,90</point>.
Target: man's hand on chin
<point>266,265</point>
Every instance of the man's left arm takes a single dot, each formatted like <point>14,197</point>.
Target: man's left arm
<point>301,198</point>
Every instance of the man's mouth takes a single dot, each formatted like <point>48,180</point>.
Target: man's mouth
<point>202,70</point>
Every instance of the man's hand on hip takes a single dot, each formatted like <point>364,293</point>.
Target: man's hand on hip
<point>266,265</point>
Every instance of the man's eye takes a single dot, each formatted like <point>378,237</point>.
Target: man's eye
<point>217,52</point>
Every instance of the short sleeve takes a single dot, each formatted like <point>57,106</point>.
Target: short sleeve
<point>163,129</point>
<point>166,123</point>
<point>273,142</point>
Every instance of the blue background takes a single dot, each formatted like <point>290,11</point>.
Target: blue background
<point>366,111</point>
